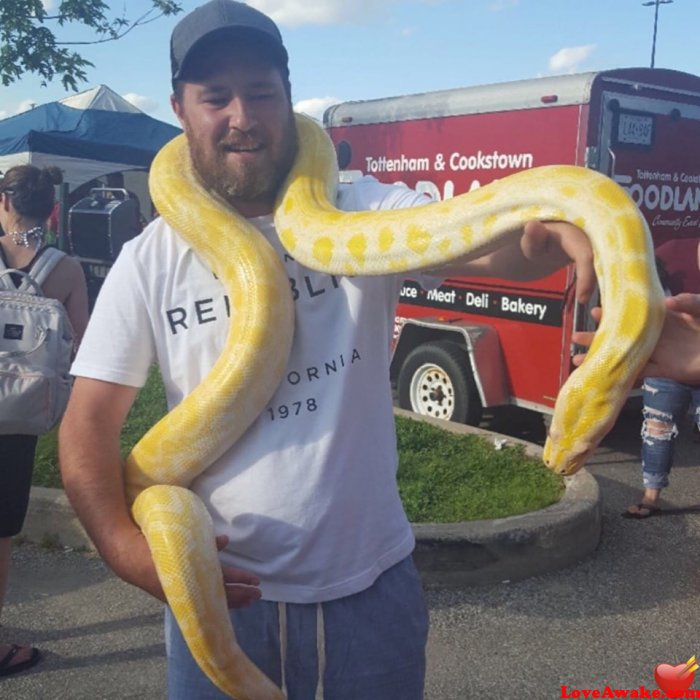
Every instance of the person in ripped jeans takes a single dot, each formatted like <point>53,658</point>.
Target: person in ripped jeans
<point>666,400</point>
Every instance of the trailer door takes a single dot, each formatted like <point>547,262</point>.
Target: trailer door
<point>650,144</point>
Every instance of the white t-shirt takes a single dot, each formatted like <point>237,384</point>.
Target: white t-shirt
<point>308,495</point>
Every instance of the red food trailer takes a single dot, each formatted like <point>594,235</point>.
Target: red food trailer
<point>481,343</point>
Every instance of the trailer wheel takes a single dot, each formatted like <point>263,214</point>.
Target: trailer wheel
<point>436,380</point>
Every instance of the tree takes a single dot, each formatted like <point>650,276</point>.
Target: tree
<point>29,42</point>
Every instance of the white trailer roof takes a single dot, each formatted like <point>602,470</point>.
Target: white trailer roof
<point>497,97</point>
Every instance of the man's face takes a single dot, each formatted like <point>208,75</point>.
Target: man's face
<point>240,128</point>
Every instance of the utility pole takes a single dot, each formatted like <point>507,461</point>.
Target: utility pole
<point>655,4</point>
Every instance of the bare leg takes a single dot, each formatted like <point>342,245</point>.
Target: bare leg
<point>651,496</point>
<point>648,504</point>
<point>24,653</point>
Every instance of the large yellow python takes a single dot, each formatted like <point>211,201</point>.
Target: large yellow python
<point>207,422</point>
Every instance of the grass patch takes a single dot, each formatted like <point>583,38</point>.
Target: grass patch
<point>443,477</point>
<point>46,462</point>
<point>149,406</point>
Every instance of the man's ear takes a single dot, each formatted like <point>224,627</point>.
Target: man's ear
<point>177,108</point>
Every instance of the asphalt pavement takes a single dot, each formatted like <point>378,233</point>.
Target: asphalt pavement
<point>602,624</point>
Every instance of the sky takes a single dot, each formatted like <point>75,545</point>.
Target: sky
<point>364,49</point>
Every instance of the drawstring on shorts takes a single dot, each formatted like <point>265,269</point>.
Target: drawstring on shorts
<point>282,614</point>
<point>320,650</point>
<point>320,646</point>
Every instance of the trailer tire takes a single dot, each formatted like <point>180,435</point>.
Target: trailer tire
<point>436,380</point>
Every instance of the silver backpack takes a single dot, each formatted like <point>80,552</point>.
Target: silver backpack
<point>36,344</point>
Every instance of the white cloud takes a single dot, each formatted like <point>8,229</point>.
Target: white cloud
<point>145,104</point>
<point>567,60</point>
<point>294,13</point>
<point>23,106</point>
<point>26,105</point>
<point>316,106</point>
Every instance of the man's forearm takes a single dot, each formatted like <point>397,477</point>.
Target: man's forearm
<point>537,250</point>
<point>92,473</point>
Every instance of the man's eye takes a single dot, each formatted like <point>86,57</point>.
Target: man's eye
<point>215,100</point>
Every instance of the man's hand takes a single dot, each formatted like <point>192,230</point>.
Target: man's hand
<point>538,250</point>
<point>241,587</point>
<point>677,352</point>
<point>551,245</point>
<point>137,568</point>
<point>688,304</point>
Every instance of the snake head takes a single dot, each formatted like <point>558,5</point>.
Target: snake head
<point>565,459</point>
<point>582,417</point>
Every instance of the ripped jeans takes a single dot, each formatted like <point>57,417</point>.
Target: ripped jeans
<point>665,405</point>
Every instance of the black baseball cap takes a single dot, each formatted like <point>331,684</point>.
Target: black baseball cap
<point>223,15</point>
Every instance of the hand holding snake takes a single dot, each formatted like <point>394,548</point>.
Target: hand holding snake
<point>160,468</point>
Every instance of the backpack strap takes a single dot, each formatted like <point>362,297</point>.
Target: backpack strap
<point>6,282</point>
<point>45,263</point>
<point>27,284</point>
<point>33,279</point>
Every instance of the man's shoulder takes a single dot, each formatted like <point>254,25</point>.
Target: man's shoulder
<point>367,193</point>
<point>157,242</point>
<point>156,236</point>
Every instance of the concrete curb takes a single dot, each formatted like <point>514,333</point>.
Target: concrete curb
<point>510,549</point>
<point>469,553</point>
<point>50,520</point>
<point>514,548</point>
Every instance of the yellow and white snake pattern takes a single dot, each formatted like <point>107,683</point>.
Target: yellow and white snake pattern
<point>208,421</point>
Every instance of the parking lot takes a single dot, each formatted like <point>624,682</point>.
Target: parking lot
<point>605,622</point>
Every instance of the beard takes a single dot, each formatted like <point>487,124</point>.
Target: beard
<point>244,182</point>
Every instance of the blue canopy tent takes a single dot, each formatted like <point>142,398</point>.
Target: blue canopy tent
<point>86,135</point>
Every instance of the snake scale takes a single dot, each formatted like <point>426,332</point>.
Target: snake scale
<point>208,421</point>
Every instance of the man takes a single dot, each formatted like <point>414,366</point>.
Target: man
<point>306,501</point>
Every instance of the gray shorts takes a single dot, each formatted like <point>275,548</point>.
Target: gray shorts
<point>370,645</point>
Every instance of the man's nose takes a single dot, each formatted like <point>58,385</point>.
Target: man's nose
<point>241,114</point>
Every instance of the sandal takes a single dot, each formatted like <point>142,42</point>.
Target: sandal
<point>6,665</point>
<point>643,511</point>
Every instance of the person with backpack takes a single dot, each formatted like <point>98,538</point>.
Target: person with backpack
<point>26,201</point>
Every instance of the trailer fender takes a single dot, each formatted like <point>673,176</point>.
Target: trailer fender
<point>479,369</point>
